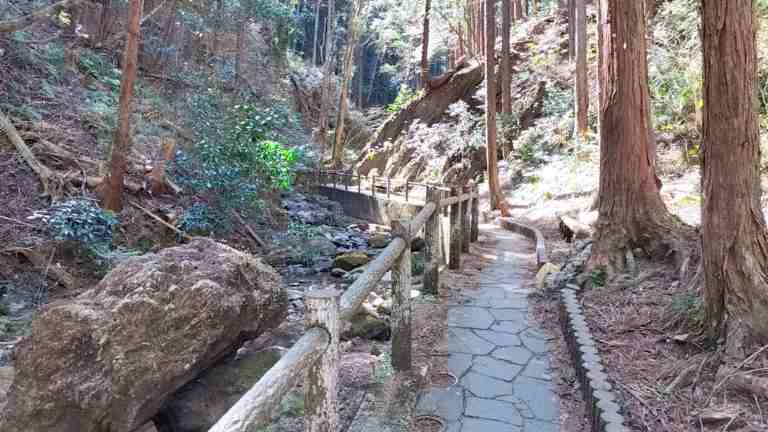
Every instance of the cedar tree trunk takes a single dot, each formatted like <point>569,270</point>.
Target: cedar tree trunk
<point>425,46</point>
<point>121,145</point>
<point>734,241</point>
<point>506,18</point>
<point>582,79</point>
<point>631,213</point>
<point>490,106</point>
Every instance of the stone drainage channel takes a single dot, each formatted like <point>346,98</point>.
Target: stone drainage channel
<point>501,360</point>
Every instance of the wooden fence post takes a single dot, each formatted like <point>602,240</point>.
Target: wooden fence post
<point>373,186</point>
<point>432,255</point>
<point>321,405</point>
<point>401,300</point>
<point>475,230</point>
<point>465,234</point>
<point>454,254</point>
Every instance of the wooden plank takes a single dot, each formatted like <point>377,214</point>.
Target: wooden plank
<point>421,218</point>
<point>454,252</point>
<point>321,402</point>
<point>465,227</point>
<point>401,300</point>
<point>432,250</point>
<point>359,290</point>
<point>256,407</point>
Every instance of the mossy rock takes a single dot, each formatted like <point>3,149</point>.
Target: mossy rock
<point>351,261</point>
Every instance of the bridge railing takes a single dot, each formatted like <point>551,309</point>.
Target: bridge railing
<point>315,356</point>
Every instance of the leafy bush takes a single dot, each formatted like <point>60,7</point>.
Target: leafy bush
<point>404,97</point>
<point>83,222</point>
<point>238,157</point>
<point>199,219</point>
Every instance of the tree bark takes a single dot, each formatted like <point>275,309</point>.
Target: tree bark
<point>121,145</point>
<point>582,78</point>
<point>518,13</point>
<point>631,213</point>
<point>572,30</point>
<point>349,61</point>
<point>317,32</point>
<point>425,46</point>
<point>506,95</point>
<point>490,106</point>
<point>328,72</point>
<point>734,240</point>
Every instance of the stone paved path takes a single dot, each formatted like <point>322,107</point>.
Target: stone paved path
<point>500,359</point>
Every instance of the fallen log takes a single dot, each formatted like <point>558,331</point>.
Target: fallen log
<point>250,230</point>
<point>43,172</point>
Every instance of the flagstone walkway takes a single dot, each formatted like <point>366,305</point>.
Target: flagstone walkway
<point>501,359</point>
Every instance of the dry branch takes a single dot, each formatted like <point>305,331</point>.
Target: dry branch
<point>743,382</point>
<point>42,262</point>
<point>43,172</point>
<point>159,219</point>
<point>250,230</point>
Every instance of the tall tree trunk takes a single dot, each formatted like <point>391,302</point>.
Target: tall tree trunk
<point>506,95</point>
<point>328,73</point>
<point>317,32</point>
<point>490,106</point>
<point>121,145</point>
<point>582,78</point>
<point>571,30</point>
<point>734,240</point>
<point>360,76</point>
<point>349,61</point>
<point>518,10</point>
<point>630,211</point>
<point>425,46</point>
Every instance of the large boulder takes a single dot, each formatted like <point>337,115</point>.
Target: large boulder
<point>108,359</point>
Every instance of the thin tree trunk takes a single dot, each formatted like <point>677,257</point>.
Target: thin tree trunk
<point>317,32</point>
<point>582,79</point>
<point>506,95</point>
<point>360,76</point>
<point>518,10</point>
<point>631,213</point>
<point>328,73</point>
<point>572,30</point>
<point>734,240</point>
<point>490,107</point>
<point>121,145</point>
<point>425,46</point>
<point>349,61</point>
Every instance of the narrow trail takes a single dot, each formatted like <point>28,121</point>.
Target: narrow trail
<point>501,359</point>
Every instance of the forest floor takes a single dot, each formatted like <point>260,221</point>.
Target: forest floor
<point>645,323</point>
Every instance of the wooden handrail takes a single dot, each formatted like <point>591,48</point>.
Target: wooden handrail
<point>255,408</point>
<point>362,286</point>
<point>317,351</point>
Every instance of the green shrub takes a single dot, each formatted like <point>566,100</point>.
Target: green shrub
<point>82,221</point>
<point>404,97</point>
<point>199,219</point>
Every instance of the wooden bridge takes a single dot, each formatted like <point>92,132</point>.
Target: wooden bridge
<point>316,354</point>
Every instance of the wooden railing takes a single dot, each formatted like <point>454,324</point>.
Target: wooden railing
<point>316,354</point>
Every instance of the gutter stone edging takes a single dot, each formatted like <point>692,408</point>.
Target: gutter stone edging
<point>603,411</point>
